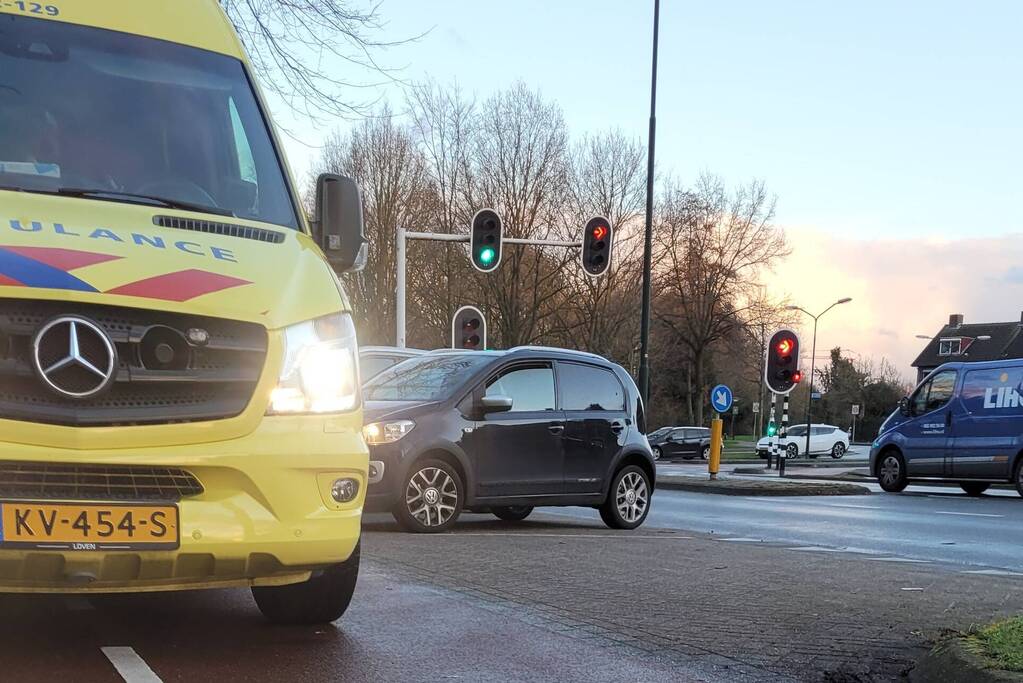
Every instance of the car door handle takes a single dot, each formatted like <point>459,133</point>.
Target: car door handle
<point>556,430</point>
<point>617,426</point>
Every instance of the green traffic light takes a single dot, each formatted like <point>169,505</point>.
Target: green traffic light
<point>771,430</point>
<point>487,256</point>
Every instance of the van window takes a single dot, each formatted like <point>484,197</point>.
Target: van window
<point>935,392</point>
<point>993,391</point>
<point>585,387</point>
<point>159,119</point>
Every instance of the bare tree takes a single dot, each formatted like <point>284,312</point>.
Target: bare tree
<point>297,47</point>
<point>712,247</point>
<point>391,171</point>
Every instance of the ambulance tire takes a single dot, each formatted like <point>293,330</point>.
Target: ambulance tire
<point>320,600</point>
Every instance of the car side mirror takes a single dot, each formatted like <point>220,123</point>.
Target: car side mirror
<point>904,406</point>
<point>338,223</point>
<point>496,404</point>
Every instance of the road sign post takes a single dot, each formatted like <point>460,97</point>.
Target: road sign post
<point>855,412</point>
<point>721,402</point>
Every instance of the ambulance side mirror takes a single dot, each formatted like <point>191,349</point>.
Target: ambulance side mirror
<point>338,222</point>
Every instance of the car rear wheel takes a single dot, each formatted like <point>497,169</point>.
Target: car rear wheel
<point>974,488</point>
<point>657,452</point>
<point>628,501</point>
<point>320,600</point>
<point>705,453</point>
<point>838,450</point>
<point>891,472</point>
<point>431,498</point>
<point>512,513</point>
<point>791,451</point>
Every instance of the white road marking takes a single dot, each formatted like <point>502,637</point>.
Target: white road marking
<point>992,572</point>
<point>817,549</point>
<point>133,669</point>
<point>967,514</point>
<point>856,507</point>
<point>906,560</point>
<point>742,540</point>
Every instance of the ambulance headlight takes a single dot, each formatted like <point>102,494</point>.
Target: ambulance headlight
<point>320,373</point>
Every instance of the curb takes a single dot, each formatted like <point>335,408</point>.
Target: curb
<point>952,661</point>
<point>744,487</point>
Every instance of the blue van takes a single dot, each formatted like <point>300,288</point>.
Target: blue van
<point>963,423</point>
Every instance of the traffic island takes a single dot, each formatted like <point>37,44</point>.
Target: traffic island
<point>758,487</point>
<point>992,654</point>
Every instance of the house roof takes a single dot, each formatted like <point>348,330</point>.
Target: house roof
<point>1006,342</point>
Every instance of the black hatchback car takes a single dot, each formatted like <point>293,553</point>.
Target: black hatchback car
<point>504,431</point>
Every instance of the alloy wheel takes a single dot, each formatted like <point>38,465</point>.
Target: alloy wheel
<point>657,453</point>
<point>632,497</point>
<point>891,470</point>
<point>431,496</point>
<point>838,451</point>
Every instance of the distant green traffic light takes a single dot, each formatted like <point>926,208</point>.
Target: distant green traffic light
<point>487,256</point>
<point>772,429</point>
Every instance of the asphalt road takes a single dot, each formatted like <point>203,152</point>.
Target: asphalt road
<point>924,524</point>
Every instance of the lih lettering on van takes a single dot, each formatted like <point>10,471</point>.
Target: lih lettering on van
<point>137,239</point>
<point>1002,397</point>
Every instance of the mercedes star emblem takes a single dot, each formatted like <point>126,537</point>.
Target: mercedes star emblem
<point>74,357</point>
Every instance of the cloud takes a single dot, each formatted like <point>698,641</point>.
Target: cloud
<point>900,288</point>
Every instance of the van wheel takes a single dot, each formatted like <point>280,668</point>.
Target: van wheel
<point>512,513</point>
<point>891,473</point>
<point>838,450</point>
<point>974,488</point>
<point>628,500</point>
<point>430,499</point>
<point>320,600</point>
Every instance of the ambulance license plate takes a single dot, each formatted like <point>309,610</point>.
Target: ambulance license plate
<point>86,526</point>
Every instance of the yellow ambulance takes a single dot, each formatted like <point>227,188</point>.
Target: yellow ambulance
<point>179,391</point>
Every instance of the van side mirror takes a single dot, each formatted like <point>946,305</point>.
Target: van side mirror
<point>496,404</point>
<point>338,222</point>
<point>904,406</point>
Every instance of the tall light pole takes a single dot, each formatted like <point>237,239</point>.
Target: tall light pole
<point>813,359</point>
<point>644,325</point>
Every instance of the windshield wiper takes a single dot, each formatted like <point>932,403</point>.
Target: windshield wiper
<point>115,195</point>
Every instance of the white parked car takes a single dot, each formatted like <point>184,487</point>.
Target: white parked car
<point>824,439</point>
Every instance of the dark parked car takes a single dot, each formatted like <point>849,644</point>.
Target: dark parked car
<point>375,359</point>
<point>504,431</point>
<point>681,442</point>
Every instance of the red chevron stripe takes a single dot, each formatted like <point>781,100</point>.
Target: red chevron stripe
<point>9,281</point>
<point>62,259</point>
<point>180,286</point>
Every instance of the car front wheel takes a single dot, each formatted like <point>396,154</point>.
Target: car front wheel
<point>628,501</point>
<point>838,450</point>
<point>791,451</point>
<point>891,473</point>
<point>320,600</point>
<point>431,498</point>
<point>657,452</point>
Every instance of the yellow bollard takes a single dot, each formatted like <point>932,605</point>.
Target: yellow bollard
<point>714,464</point>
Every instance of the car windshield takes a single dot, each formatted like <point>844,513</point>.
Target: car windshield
<point>99,114</point>
<point>426,378</point>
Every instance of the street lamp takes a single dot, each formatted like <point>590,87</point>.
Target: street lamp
<point>813,353</point>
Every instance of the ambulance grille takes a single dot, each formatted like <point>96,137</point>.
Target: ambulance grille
<point>60,481</point>
<point>204,369</point>
<point>215,228</point>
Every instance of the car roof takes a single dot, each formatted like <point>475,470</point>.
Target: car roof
<point>393,350</point>
<point>534,352</point>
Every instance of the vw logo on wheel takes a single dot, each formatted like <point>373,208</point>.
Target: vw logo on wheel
<point>74,357</point>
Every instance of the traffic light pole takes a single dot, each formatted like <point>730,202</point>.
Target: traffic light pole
<point>401,259</point>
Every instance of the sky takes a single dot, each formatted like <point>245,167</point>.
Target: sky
<point>891,133</point>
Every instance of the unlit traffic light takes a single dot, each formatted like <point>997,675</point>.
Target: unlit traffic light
<point>469,329</point>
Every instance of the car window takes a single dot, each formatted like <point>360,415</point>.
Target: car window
<point>935,392</point>
<point>798,430</point>
<point>584,387</point>
<point>425,378</point>
<point>371,366</point>
<point>530,389</point>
